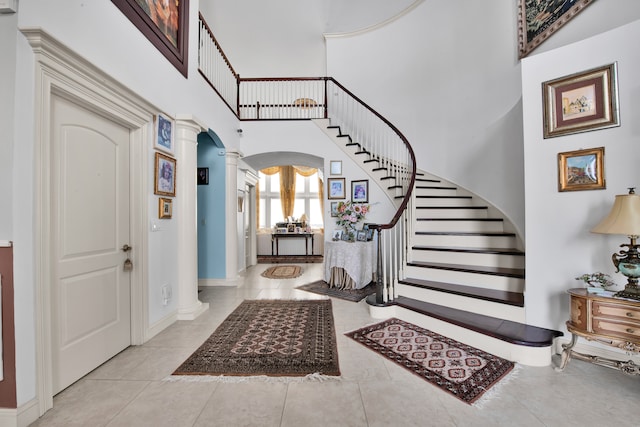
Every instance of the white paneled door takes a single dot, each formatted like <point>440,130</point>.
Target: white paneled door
<point>90,288</point>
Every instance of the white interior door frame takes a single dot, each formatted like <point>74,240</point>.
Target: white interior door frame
<point>61,71</point>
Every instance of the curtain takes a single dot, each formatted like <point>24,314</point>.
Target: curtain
<point>287,189</point>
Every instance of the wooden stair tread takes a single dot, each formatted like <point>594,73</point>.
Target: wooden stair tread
<point>504,330</point>
<point>462,219</point>
<point>478,269</point>
<point>499,251</point>
<point>453,207</point>
<point>493,295</point>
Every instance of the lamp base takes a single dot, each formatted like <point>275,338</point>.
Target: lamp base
<point>630,292</point>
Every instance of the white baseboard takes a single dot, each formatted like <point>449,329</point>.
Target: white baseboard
<point>217,282</point>
<point>161,325</point>
<point>20,417</point>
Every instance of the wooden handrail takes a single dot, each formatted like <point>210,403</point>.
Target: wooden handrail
<point>213,38</point>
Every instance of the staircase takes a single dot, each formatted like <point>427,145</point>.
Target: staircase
<point>464,275</point>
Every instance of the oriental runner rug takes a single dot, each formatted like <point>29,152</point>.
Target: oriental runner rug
<point>321,287</point>
<point>282,272</point>
<point>464,371</point>
<point>275,338</point>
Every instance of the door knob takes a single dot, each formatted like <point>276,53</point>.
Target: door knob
<point>126,248</point>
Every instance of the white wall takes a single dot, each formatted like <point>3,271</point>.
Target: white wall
<point>559,245</point>
<point>451,83</point>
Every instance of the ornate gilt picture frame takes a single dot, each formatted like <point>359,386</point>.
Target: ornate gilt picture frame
<point>581,170</point>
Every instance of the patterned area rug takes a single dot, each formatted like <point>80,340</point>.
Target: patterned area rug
<point>321,287</point>
<point>290,338</point>
<point>462,370</point>
<point>282,272</point>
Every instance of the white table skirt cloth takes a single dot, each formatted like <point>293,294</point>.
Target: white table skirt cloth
<point>357,259</point>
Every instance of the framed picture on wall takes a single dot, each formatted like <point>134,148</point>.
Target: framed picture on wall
<point>581,102</point>
<point>360,191</point>
<point>164,23</point>
<point>537,20</point>
<point>335,188</point>
<point>165,208</point>
<point>165,175</point>
<point>203,176</point>
<point>163,133</point>
<point>334,209</point>
<point>335,167</point>
<point>581,170</point>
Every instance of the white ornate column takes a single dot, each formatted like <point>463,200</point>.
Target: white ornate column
<point>187,130</point>
<point>231,231</point>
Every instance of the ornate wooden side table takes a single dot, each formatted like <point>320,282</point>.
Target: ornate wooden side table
<point>611,321</point>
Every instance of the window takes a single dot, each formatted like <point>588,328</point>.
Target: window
<point>306,201</point>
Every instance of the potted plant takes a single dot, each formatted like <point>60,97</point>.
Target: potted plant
<point>597,282</point>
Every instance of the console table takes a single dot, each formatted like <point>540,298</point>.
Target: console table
<point>349,265</point>
<point>277,236</point>
<point>611,321</point>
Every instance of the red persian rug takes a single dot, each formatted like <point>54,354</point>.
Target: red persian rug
<point>464,371</point>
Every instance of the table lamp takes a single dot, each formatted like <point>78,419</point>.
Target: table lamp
<point>624,219</point>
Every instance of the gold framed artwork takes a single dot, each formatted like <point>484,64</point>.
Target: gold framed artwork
<point>335,187</point>
<point>164,175</point>
<point>537,20</point>
<point>165,208</point>
<point>581,170</point>
<point>581,102</point>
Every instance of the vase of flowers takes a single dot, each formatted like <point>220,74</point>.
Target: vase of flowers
<point>350,215</point>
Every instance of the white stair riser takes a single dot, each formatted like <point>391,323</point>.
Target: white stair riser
<point>474,305</point>
<point>438,201</point>
<point>464,241</point>
<point>468,258</point>
<point>469,226</point>
<point>488,281</point>
<point>529,356</point>
<point>436,191</point>
<point>451,213</point>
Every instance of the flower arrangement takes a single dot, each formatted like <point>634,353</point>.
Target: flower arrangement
<point>597,280</point>
<point>349,214</point>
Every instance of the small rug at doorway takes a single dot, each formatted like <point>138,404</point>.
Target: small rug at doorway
<point>464,371</point>
<point>273,338</point>
<point>321,287</point>
<point>282,272</point>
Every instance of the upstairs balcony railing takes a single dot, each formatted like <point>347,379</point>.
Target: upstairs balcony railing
<point>324,98</point>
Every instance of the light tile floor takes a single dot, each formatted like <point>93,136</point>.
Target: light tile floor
<point>129,389</point>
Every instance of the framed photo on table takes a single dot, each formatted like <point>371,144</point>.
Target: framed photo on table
<point>360,191</point>
<point>165,175</point>
<point>581,102</point>
<point>335,188</point>
<point>581,170</point>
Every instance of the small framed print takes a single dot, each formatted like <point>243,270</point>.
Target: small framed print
<point>334,209</point>
<point>360,191</point>
<point>581,170</point>
<point>336,188</point>
<point>164,133</point>
<point>581,102</point>
<point>335,167</point>
<point>361,236</point>
<point>165,175</point>
<point>165,208</point>
<point>203,176</point>
<point>337,235</point>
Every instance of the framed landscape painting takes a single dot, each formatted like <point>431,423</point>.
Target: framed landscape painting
<point>537,20</point>
<point>581,170</point>
<point>580,102</point>
<point>165,23</point>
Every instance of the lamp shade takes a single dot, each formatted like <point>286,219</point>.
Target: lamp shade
<point>624,217</point>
